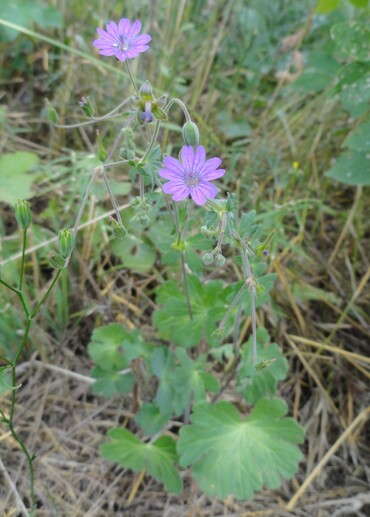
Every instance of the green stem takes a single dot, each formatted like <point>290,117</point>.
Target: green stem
<point>152,141</point>
<point>188,219</point>
<point>221,236</point>
<point>3,358</point>
<point>232,305</point>
<point>110,192</point>
<point>20,294</point>
<point>10,420</point>
<point>131,77</point>
<point>141,186</point>
<point>186,285</point>
<point>252,294</point>
<point>14,289</point>
<point>43,299</point>
<point>182,106</point>
<point>22,261</point>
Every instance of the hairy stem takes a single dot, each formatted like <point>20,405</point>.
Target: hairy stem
<point>152,141</point>
<point>182,106</point>
<point>112,199</point>
<point>131,77</point>
<point>252,294</point>
<point>96,119</point>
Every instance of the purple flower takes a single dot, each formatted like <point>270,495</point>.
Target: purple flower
<point>192,177</point>
<point>122,40</point>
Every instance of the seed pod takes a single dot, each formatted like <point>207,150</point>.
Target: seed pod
<point>208,259</point>
<point>219,260</point>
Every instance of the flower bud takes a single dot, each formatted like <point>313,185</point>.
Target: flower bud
<point>219,260</point>
<point>66,241</point>
<point>87,107</point>
<point>56,260</point>
<point>130,155</point>
<point>190,134</point>
<point>208,259</point>
<point>23,214</point>
<point>119,231</point>
<point>146,90</point>
<point>52,113</point>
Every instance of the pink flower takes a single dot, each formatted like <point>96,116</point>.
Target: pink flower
<point>122,40</point>
<point>191,176</point>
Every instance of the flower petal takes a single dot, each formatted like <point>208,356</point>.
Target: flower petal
<point>135,29</point>
<point>124,26</point>
<point>170,175</point>
<point>173,165</point>
<point>131,53</point>
<point>121,56</point>
<point>107,51</point>
<point>210,165</point>
<point>105,36</point>
<point>212,175</point>
<point>101,43</point>
<point>187,156</point>
<point>199,158</point>
<point>171,187</point>
<point>143,39</point>
<point>198,196</point>
<point>139,48</point>
<point>181,193</point>
<point>112,29</point>
<point>208,189</point>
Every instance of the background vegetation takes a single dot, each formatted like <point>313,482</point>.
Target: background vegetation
<point>280,91</point>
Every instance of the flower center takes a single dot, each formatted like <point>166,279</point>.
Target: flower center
<point>123,43</point>
<point>192,178</point>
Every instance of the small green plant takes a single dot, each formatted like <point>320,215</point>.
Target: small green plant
<point>196,351</point>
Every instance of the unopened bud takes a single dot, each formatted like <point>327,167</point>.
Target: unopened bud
<point>146,89</point>
<point>56,260</point>
<point>219,260</point>
<point>23,214</point>
<point>208,259</point>
<point>119,231</point>
<point>87,106</point>
<point>66,241</point>
<point>190,134</point>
